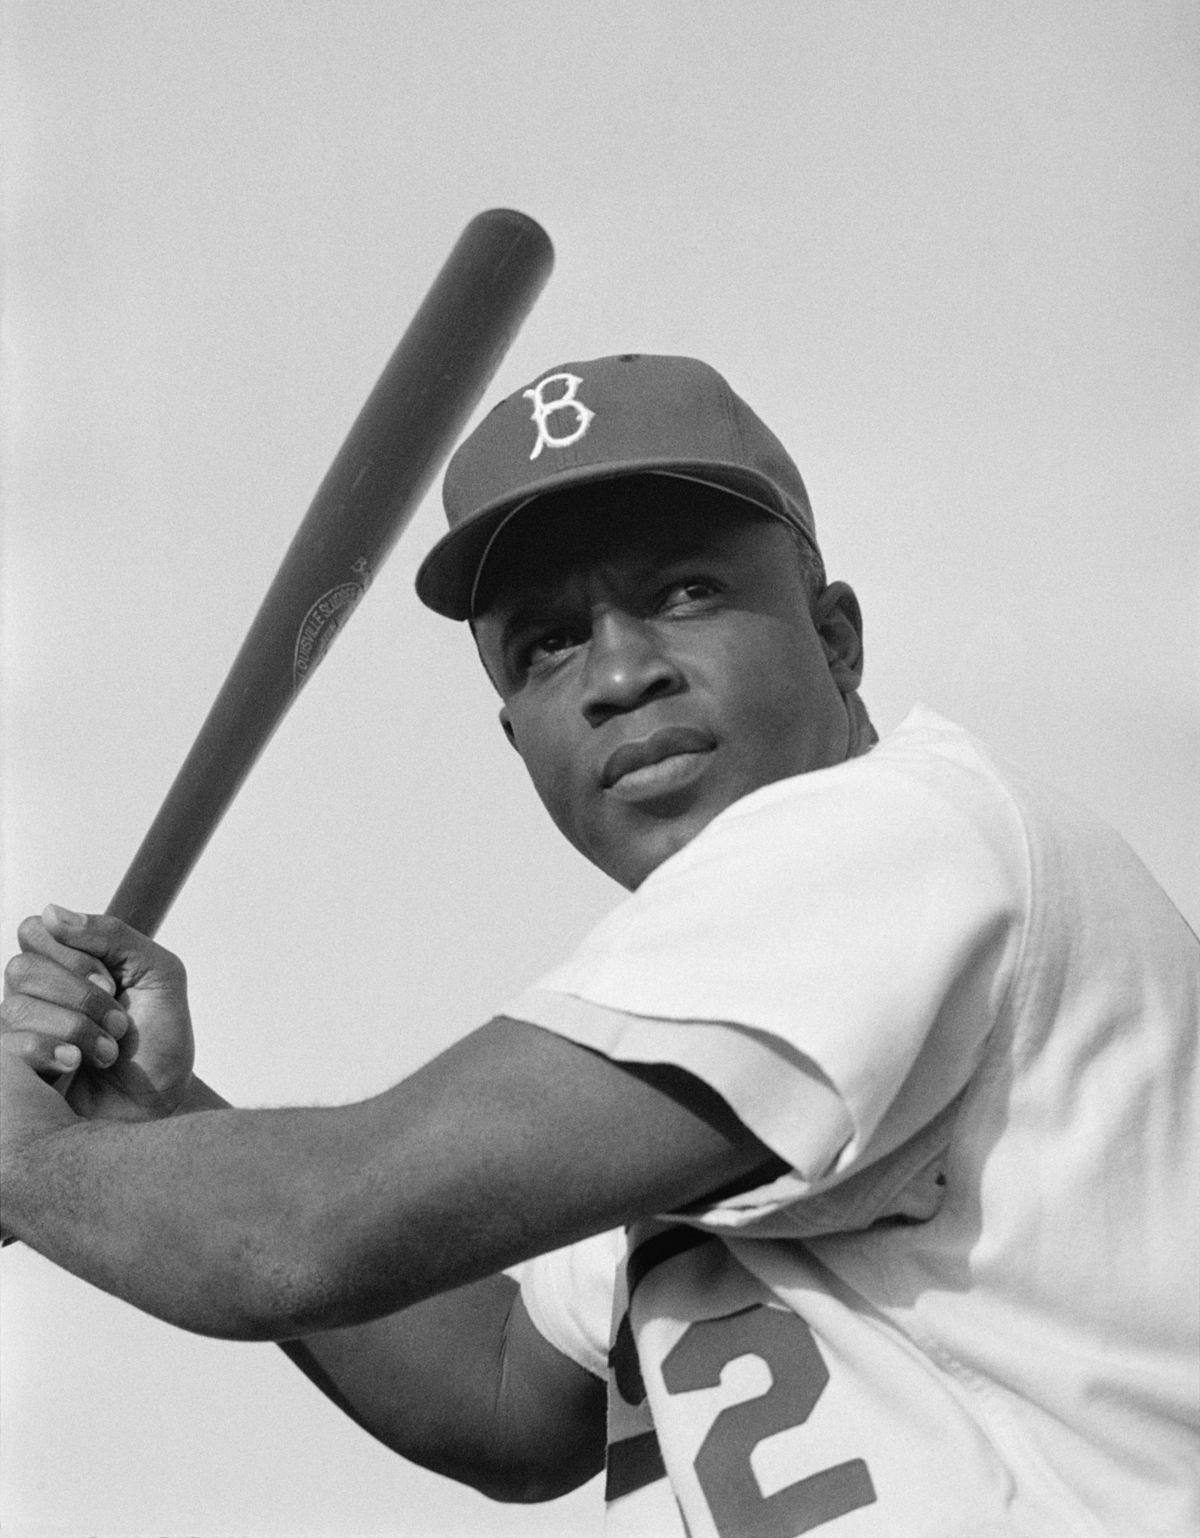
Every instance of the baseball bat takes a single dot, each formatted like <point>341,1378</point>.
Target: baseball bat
<point>405,430</point>
<point>402,435</point>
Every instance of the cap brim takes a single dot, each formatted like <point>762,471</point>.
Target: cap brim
<point>446,578</point>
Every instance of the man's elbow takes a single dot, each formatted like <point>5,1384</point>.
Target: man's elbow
<point>518,1463</point>
<point>539,1457</point>
<point>529,1482</point>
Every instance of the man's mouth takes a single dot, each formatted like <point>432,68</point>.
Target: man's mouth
<point>665,761</point>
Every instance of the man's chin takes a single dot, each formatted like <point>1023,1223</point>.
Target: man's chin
<point>640,851</point>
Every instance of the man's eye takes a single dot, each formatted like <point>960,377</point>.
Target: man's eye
<point>548,648</point>
<point>688,594</point>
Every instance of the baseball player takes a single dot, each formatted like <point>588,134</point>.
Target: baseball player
<point>853,1154</point>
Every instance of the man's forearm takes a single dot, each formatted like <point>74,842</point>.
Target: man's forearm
<point>402,1379</point>
<point>461,1385</point>
<point>211,1221</point>
<point>273,1224</point>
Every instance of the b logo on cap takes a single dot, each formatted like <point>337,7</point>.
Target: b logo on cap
<point>543,409</point>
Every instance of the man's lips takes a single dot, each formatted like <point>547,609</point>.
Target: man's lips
<point>676,749</point>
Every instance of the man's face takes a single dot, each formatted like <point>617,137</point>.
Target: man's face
<point>658,659</point>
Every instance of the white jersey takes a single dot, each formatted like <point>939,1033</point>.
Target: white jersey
<point>966,1016</point>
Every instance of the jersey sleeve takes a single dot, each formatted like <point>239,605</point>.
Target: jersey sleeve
<point>829,955</point>
<point>568,1295</point>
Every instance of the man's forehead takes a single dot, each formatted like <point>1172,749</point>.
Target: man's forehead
<point>641,522</point>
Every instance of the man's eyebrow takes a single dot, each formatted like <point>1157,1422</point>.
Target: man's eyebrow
<point>538,602</point>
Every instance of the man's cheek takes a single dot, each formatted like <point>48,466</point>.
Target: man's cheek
<point>562,797</point>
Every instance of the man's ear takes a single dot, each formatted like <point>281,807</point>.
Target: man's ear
<point>506,724</point>
<point>838,620</point>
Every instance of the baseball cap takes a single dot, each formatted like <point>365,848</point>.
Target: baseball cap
<point>634,414</point>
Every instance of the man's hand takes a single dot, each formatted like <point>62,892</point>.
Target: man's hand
<point>89,993</point>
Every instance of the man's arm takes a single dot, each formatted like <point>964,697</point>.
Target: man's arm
<point>270,1224</point>
<point>462,1384</point>
<point>397,1213</point>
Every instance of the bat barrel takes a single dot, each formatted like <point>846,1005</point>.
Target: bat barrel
<point>403,434</point>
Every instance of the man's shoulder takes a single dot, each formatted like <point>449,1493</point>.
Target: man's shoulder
<point>924,811</point>
<point>924,773</point>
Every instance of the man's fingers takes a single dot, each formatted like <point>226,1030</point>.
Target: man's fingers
<point>22,1015</point>
<point>32,976</point>
<point>42,1053</point>
<point>100,943</point>
<point>43,998</point>
<point>35,939</point>
<point>99,935</point>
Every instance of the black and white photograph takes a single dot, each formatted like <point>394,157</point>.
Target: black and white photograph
<point>601,769</point>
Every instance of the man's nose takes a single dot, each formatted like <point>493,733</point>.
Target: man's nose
<point>627,665</point>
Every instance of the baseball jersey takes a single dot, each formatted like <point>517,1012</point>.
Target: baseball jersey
<point>965,1016</point>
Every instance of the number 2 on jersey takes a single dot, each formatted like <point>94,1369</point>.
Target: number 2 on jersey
<point>798,1378</point>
